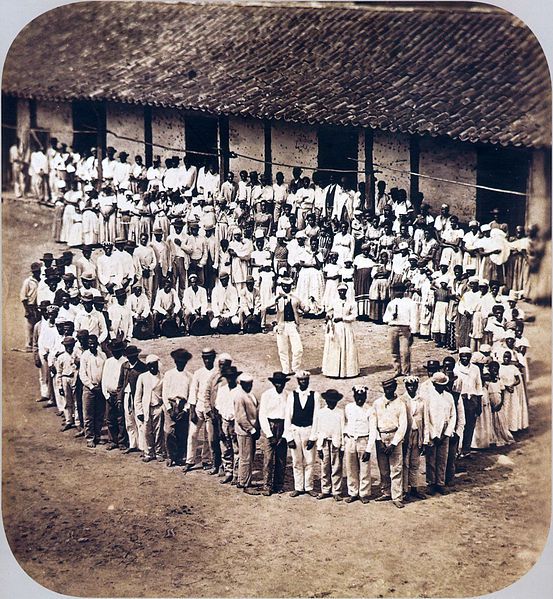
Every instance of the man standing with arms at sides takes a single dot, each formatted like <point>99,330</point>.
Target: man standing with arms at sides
<point>178,257</point>
<point>39,363</point>
<point>110,383</point>
<point>126,389</point>
<point>176,388</point>
<point>247,431</point>
<point>289,308</point>
<point>224,404</point>
<point>302,407</point>
<point>391,425</point>
<point>440,420</point>
<point>148,405</point>
<point>272,410</point>
<point>28,297</point>
<point>469,386</point>
<point>399,315</point>
<point>94,403</point>
<point>200,412</point>
<point>359,441</point>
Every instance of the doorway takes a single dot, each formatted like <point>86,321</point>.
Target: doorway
<point>200,134</point>
<point>502,168</point>
<point>9,135</point>
<point>89,118</point>
<point>338,152</point>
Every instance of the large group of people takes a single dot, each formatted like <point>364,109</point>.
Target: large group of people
<point>171,251</point>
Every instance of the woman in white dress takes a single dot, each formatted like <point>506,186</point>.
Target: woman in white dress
<point>340,359</point>
<point>516,409</point>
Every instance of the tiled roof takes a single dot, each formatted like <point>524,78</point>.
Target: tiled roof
<point>472,75</point>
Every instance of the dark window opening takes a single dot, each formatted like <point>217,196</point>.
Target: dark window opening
<point>502,168</point>
<point>9,134</point>
<point>89,125</point>
<point>338,152</point>
<point>200,134</point>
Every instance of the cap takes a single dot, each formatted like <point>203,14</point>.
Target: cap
<point>300,235</point>
<point>225,357</point>
<point>36,266</point>
<point>303,374</point>
<point>280,234</point>
<point>245,377</point>
<point>120,240</point>
<point>485,348</point>
<point>120,292</point>
<point>479,358</point>
<point>465,350</point>
<point>389,384</point>
<point>473,279</point>
<point>410,380</point>
<point>359,389</point>
<point>259,234</point>
<point>151,359</point>
<point>250,279</point>
<point>88,276</point>
<point>69,340</point>
<point>440,378</point>
<point>342,286</point>
<point>87,296</point>
<point>403,246</point>
<point>157,231</point>
<point>332,395</point>
<point>181,355</point>
<point>285,281</point>
<point>482,282</point>
<point>193,277</point>
<point>223,275</point>
<point>485,228</point>
<point>208,351</point>
<point>510,334</point>
<point>474,223</point>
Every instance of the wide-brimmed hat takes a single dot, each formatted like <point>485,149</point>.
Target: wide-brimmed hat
<point>332,395</point>
<point>132,350</point>
<point>279,377</point>
<point>181,355</point>
<point>440,378</point>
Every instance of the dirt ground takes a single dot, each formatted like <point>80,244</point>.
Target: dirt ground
<point>95,523</point>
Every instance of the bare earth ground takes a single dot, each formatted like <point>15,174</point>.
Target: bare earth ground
<point>96,523</point>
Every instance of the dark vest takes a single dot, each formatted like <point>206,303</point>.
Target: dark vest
<point>303,416</point>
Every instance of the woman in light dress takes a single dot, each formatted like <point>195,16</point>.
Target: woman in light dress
<point>495,390</point>
<point>516,409</point>
<point>340,358</point>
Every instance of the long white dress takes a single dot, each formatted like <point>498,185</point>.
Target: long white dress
<point>516,409</point>
<point>340,359</point>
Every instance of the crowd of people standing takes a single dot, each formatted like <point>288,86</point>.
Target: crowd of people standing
<point>171,251</point>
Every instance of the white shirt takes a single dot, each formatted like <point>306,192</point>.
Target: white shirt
<point>400,311</point>
<point>439,414</point>
<point>224,403</point>
<point>329,425</point>
<point>200,389</point>
<point>360,422</point>
<point>110,375</point>
<point>176,386</point>
<point>273,406</point>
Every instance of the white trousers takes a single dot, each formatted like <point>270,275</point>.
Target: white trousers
<point>132,430</point>
<point>288,339</point>
<point>358,472</point>
<point>302,459</point>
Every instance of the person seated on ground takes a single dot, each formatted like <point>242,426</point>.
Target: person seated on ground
<point>195,308</point>
<point>250,312</point>
<point>225,305</point>
<point>143,323</point>
<point>166,310</point>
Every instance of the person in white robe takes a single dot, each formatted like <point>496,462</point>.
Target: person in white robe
<point>340,359</point>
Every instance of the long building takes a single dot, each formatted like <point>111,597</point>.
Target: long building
<point>450,100</point>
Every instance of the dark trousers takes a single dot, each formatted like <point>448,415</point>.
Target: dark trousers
<point>117,432</point>
<point>79,402</point>
<point>451,459</point>
<point>94,404</point>
<point>274,457</point>
<point>472,409</point>
<point>436,461</point>
<point>215,441</point>
<point>176,436</point>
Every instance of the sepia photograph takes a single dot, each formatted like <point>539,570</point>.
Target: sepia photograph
<point>276,285</point>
